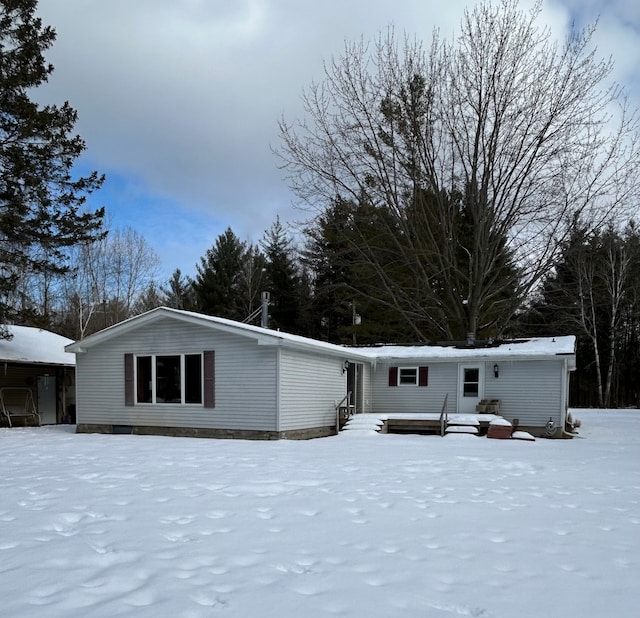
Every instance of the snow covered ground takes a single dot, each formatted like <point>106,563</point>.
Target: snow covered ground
<point>355,525</point>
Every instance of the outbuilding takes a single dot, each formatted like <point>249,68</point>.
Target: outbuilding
<point>36,377</point>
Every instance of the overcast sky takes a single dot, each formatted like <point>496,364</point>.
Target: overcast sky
<point>178,100</point>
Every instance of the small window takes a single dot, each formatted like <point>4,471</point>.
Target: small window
<point>408,375</point>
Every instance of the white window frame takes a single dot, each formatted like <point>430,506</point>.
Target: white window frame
<point>154,381</point>
<point>416,377</point>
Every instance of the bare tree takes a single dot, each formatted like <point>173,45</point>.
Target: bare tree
<point>482,151</point>
<point>252,279</point>
<point>108,277</point>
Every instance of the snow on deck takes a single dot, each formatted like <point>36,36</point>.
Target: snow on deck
<point>426,416</point>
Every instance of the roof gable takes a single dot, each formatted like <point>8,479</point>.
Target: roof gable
<point>263,336</point>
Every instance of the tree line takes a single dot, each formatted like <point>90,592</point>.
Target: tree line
<point>479,188</point>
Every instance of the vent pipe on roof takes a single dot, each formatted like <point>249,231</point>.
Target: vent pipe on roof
<point>264,319</point>
<point>471,339</point>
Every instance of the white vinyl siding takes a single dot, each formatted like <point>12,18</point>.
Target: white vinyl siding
<point>310,386</point>
<point>443,380</point>
<point>530,391</point>
<point>245,380</point>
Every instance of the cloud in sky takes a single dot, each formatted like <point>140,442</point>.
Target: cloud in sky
<point>178,100</point>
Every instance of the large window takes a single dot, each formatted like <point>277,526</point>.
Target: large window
<point>173,379</point>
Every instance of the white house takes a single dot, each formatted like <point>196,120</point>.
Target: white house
<point>181,373</point>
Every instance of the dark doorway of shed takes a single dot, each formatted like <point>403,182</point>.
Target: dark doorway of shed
<point>355,374</point>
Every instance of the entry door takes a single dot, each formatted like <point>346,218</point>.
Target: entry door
<point>47,400</point>
<point>354,385</point>
<point>470,387</point>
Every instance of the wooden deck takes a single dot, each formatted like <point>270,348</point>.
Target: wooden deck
<point>423,423</point>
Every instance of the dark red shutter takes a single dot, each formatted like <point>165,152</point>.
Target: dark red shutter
<point>393,376</point>
<point>210,379</point>
<point>423,376</point>
<point>129,399</point>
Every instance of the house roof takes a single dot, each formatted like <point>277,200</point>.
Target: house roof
<point>35,346</point>
<point>538,347</point>
<point>264,336</point>
<point>535,347</point>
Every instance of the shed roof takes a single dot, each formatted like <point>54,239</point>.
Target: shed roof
<point>31,345</point>
<point>537,347</point>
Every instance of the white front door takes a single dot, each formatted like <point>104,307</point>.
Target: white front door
<point>470,387</point>
<point>47,399</point>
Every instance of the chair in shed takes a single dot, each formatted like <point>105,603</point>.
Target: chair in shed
<point>17,402</point>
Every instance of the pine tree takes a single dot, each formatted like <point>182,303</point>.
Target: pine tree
<point>41,200</point>
<point>178,292</point>
<point>282,278</point>
<point>217,285</point>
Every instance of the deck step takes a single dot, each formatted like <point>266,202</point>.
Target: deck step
<point>471,430</point>
<point>363,422</point>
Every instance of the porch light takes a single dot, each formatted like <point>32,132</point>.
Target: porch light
<point>496,370</point>
<point>345,366</point>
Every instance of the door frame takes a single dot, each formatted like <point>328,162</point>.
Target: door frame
<point>355,374</point>
<point>467,405</point>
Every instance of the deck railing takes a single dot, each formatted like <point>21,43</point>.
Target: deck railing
<point>444,416</point>
<point>343,404</point>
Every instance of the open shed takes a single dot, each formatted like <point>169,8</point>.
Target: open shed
<point>36,371</point>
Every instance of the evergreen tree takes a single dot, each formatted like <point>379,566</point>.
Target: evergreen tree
<point>41,200</point>
<point>282,278</point>
<point>329,258</point>
<point>150,298</point>
<point>178,292</point>
<point>346,282</point>
<point>217,285</point>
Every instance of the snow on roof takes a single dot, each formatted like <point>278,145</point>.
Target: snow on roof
<point>534,347</point>
<point>35,345</point>
<point>266,336</point>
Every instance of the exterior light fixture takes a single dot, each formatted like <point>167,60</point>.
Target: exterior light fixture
<point>345,366</point>
<point>496,370</point>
